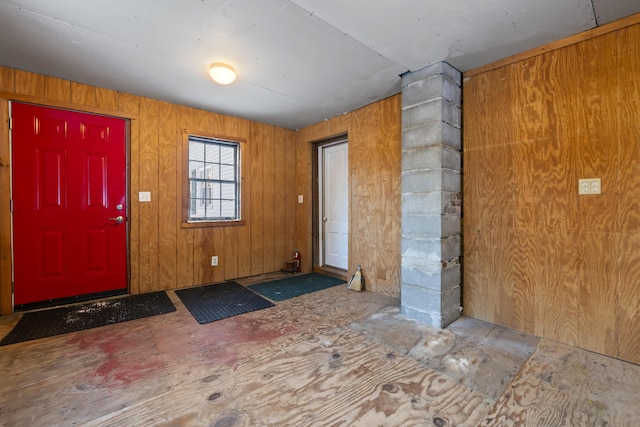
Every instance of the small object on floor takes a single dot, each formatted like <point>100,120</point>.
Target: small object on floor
<point>215,302</point>
<point>278,290</point>
<point>291,267</point>
<point>57,321</point>
<point>357,281</point>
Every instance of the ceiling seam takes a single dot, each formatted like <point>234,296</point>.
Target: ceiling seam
<point>346,34</point>
<point>595,15</point>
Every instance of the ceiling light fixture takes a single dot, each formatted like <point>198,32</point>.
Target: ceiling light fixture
<point>222,73</point>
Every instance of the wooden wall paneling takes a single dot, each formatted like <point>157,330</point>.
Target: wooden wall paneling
<point>229,235</point>
<point>290,194</point>
<point>280,155</point>
<point>544,157</point>
<point>27,83</point>
<point>231,249</point>
<point>488,225</point>
<point>269,164</point>
<point>203,239</point>
<point>203,249</point>
<point>316,132</point>
<point>558,264</point>
<point>300,239</point>
<point>57,89</point>
<point>243,232</point>
<point>7,83</point>
<point>83,94</point>
<point>597,282</point>
<point>628,326</point>
<point>597,156</point>
<point>184,237</point>
<point>340,124</point>
<point>388,209</point>
<point>168,203</point>
<point>131,104</point>
<point>364,157</point>
<point>303,180</point>
<point>256,194</point>
<point>148,181</point>
<point>476,294</point>
<point>597,150</point>
<point>7,79</point>
<point>524,292</point>
<point>628,131</point>
<point>6,302</point>
<point>556,287</point>
<point>225,248</point>
<point>221,250</point>
<point>216,235</point>
<point>108,99</point>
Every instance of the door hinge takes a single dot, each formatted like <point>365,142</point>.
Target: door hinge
<point>10,205</point>
<point>10,123</point>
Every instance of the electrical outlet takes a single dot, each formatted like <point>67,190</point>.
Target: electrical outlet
<point>214,261</point>
<point>589,186</point>
<point>144,196</point>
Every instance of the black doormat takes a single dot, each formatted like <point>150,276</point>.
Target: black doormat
<point>290,287</point>
<point>62,320</point>
<point>214,302</point>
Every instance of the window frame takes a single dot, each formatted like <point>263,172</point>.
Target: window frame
<point>186,190</point>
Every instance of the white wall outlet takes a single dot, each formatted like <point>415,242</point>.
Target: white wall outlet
<point>589,186</point>
<point>214,261</point>
<point>300,198</point>
<point>144,196</point>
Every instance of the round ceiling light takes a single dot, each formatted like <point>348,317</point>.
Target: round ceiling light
<point>222,73</point>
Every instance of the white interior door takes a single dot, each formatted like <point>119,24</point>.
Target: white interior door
<point>334,205</point>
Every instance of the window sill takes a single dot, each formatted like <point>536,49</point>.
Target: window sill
<point>205,224</point>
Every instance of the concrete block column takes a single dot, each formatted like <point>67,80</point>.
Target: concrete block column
<point>431,194</point>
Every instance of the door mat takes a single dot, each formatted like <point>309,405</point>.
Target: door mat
<point>62,320</point>
<point>215,302</point>
<point>290,287</point>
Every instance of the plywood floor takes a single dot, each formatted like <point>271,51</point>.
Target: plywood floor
<point>331,358</point>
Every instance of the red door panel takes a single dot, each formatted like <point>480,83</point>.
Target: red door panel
<point>68,185</point>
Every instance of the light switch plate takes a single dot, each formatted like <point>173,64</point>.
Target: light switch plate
<point>144,196</point>
<point>589,186</point>
<point>300,198</point>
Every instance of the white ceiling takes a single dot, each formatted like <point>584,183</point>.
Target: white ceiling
<point>298,61</point>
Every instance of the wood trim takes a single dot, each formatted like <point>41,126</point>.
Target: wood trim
<point>28,99</point>
<point>185,181</point>
<point>6,301</point>
<point>549,47</point>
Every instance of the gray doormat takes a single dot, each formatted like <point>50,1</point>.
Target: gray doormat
<point>215,302</point>
<point>57,321</point>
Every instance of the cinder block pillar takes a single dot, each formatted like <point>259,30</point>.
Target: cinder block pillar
<point>431,194</point>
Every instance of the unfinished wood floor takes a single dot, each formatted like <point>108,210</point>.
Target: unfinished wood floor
<point>331,358</point>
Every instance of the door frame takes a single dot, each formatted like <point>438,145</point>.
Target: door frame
<point>8,288</point>
<point>318,264</point>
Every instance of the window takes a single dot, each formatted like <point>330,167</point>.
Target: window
<point>213,180</point>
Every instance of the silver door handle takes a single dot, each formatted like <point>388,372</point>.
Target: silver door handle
<point>119,219</point>
<point>324,219</point>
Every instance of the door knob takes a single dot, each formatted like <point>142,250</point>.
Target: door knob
<point>324,219</point>
<point>119,219</point>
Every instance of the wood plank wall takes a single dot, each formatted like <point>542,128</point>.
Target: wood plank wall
<point>375,143</point>
<point>163,254</point>
<point>539,257</point>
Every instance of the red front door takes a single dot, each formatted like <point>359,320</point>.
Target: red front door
<point>69,203</point>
